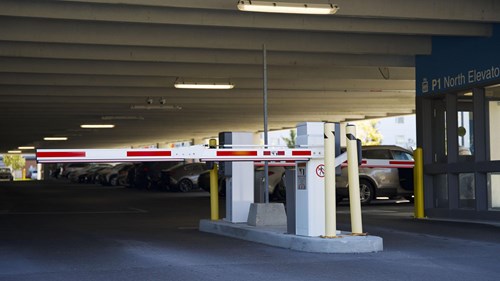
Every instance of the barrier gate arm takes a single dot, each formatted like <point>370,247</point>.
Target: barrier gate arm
<point>202,153</point>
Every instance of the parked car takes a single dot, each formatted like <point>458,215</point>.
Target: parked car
<point>113,177</point>
<point>147,175</point>
<point>182,177</point>
<point>122,176</point>
<point>381,180</point>
<point>72,167</point>
<point>87,174</point>
<point>92,176</point>
<point>105,176</point>
<point>6,174</point>
<point>276,181</point>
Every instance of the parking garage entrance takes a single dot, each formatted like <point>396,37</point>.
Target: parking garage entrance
<point>458,124</point>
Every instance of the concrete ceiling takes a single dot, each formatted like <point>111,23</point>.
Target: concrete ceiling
<point>66,63</point>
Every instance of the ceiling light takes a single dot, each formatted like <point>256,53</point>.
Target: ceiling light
<point>55,138</point>
<point>26,147</point>
<point>14,151</point>
<point>288,8</point>
<point>97,126</point>
<point>159,107</point>
<point>205,86</point>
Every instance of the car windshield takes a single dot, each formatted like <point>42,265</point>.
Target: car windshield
<point>4,170</point>
<point>401,155</point>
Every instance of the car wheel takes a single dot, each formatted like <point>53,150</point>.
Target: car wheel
<point>113,181</point>
<point>366,192</point>
<point>185,185</point>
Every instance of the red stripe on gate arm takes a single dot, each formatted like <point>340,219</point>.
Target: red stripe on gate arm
<point>60,154</point>
<point>146,153</point>
<point>401,162</point>
<point>302,153</point>
<point>237,153</point>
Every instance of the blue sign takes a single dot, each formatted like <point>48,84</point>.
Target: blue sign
<point>459,63</point>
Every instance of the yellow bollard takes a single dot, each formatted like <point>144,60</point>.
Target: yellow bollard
<point>353,177</point>
<point>214,193</point>
<point>330,202</point>
<point>418,183</point>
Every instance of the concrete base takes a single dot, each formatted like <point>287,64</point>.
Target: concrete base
<point>276,236</point>
<point>262,214</point>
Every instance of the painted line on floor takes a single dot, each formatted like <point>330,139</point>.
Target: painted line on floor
<point>132,211</point>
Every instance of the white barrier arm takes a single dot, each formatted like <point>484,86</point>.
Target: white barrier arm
<point>176,154</point>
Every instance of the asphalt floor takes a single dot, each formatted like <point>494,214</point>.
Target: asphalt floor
<point>55,230</point>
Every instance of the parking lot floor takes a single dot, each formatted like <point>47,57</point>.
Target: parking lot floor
<point>54,230</point>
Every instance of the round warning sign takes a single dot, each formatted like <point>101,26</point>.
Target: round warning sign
<point>320,171</point>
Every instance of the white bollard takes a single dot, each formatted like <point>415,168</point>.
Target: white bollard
<point>330,204</point>
<point>353,173</point>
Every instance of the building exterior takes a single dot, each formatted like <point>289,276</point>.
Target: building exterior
<point>398,130</point>
<point>458,124</point>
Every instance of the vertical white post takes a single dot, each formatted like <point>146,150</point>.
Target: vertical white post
<point>310,189</point>
<point>39,170</point>
<point>240,186</point>
<point>330,202</point>
<point>353,175</point>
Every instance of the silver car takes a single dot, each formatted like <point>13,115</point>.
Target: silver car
<point>183,177</point>
<point>387,171</point>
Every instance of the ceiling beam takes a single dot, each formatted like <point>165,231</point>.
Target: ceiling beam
<point>105,73</point>
<point>195,55</point>
<point>234,18</point>
<point>128,34</point>
<point>461,10</point>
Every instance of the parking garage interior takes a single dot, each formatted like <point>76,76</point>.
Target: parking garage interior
<point>68,63</point>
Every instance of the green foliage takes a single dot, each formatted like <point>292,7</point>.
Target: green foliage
<point>14,161</point>
<point>368,133</point>
<point>290,141</point>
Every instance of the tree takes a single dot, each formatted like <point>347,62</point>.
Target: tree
<point>368,133</point>
<point>15,162</point>
<point>290,141</point>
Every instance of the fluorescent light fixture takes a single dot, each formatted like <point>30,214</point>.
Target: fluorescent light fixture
<point>205,86</point>
<point>14,151</point>
<point>468,94</point>
<point>55,138</point>
<point>287,8</point>
<point>26,147</point>
<point>97,126</point>
<point>158,107</point>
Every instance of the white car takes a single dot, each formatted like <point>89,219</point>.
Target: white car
<point>276,182</point>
